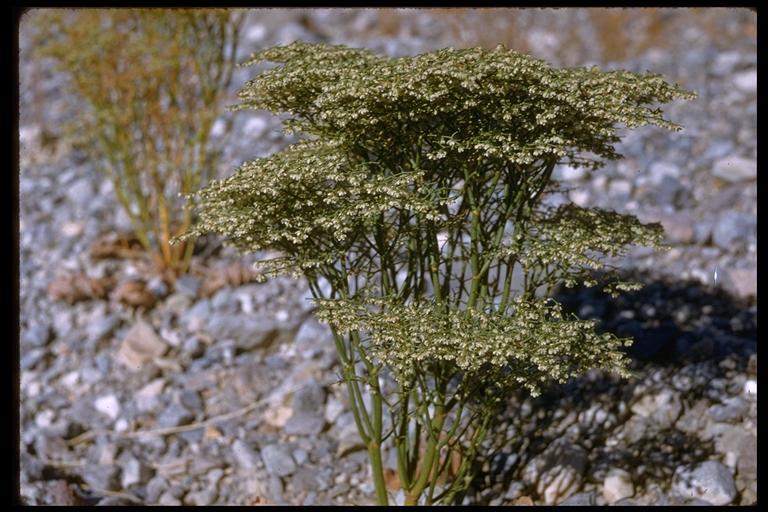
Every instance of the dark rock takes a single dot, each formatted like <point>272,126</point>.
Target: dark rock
<point>191,400</point>
<point>654,343</point>
<point>175,415</point>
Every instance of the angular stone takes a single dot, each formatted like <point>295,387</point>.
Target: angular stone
<point>148,397</point>
<point>582,499</point>
<point>735,169</point>
<point>245,456</point>
<point>617,486</point>
<point>678,227</point>
<point>305,424</point>
<point>746,80</point>
<point>248,331</point>
<point>558,472</point>
<point>731,409</point>
<point>104,478</point>
<point>663,408</point>
<point>278,460</point>
<point>188,285</point>
<point>734,230</point>
<point>135,472</point>
<point>660,170</point>
<point>742,282</point>
<point>108,405</point>
<point>140,345</point>
<point>710,481</point>
<point>175,415</point>
<point>37,336</point>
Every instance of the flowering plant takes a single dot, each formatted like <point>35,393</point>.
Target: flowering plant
<point>413,207</point>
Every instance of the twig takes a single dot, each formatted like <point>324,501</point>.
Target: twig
<point>116,494</point>
<point>173,430</point>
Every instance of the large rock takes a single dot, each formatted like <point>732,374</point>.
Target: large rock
<point>710,481</point>
<point>617,486</point>
<point>557,472</point>
<point>140,345</point>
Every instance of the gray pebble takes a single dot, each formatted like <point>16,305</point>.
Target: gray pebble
<point>105,478</point>
<point>38,336</point>
<point>175,415</point>
<point>245,456</point>
<point>134,472</point>
<point>278,460</point>
<point>734,230</point>
<point>582,499</point>
<point>188,285</point>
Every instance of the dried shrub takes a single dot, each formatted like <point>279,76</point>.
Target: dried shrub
<point>148,85</point>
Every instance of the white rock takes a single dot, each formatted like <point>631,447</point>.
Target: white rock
<point>617,486</point>
<point>750,389</point>
<point>255,126</point>
<point>579,197</point>
<point>568,173</point>
<point>278,416</point>
<point>333,408</point>
<point>70,379</point>
<point>558,471</point>
<point>148,396</point>
<point>108,405</point>
<point>746,80</point>
<point>735,169</point>
<point>44,418</point>
<point>620,188</point>
<point>663,408</point>
<point>70,229</point>
<point>218,128</point>
<point>256,33</point>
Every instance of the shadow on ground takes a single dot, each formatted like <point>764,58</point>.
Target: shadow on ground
<point>682,330</point>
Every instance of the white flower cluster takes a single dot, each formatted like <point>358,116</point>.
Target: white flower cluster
<point>536,340</point>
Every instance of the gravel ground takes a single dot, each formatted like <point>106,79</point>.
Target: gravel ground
<point>236,390</point>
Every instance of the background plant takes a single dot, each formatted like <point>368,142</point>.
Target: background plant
<point>413,206</point>
<point>151,83</point>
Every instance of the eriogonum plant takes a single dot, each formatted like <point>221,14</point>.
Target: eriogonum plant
<point>413,207</point>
